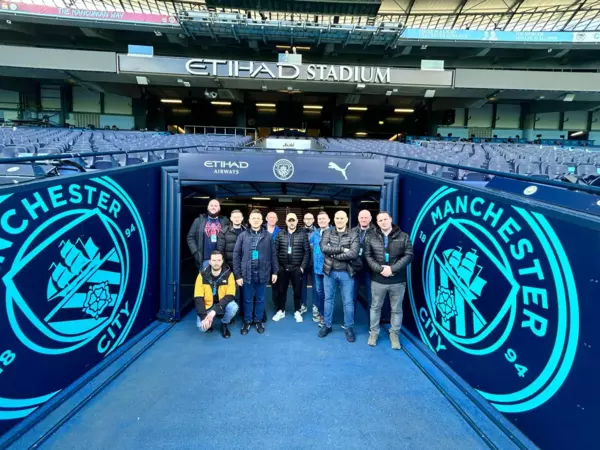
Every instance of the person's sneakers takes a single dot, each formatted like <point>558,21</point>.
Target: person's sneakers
<point>349,334</point>
<point>245,328</point>
<point>321,321</point>
<point>324,331</point>
<point>372,339</point>
<point>260,328</point>
<point>315,314</point>
<point>225,331</point>
<point>303,309</point>
<point>278,316</point>
<point>298,317</point>
<point>395,342</point>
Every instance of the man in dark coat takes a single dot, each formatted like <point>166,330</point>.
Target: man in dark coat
<point>202,237</point>
<point>340,246</point>
<point>226,243</point>
<point>388,252</point>
<point>293,256</point>
<point>254,265</point>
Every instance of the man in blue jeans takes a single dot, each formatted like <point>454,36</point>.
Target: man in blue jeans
<point>318,261</point>
<point>340,247</point>
<point>254,264</point>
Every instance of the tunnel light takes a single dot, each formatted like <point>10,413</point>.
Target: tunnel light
<point>312,106</point>
<point>221,103</point>
<point>261,198</point>
<point>266,105</point>
<point>360,133</point>
<point>381,122</point>
<point>578,133</point>
<point>357,108</point>
<point>404,110</point>
<point>170,100</point>
<point>310,199</point>
<point>203,198</point>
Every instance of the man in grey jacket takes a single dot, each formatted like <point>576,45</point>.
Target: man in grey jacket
<point>340,247</point>
<point>388,252</point>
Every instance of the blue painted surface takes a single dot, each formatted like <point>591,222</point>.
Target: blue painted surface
<point>78,261</point>
<point>518,327</point>
<point>500,36</point>
<point>284,389</point>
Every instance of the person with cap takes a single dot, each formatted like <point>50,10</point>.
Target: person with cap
<point>293,254</point>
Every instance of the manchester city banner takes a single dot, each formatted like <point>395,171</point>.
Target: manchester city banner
<point>76,259</point>
<point>506,294</point>
<point>277,168</point>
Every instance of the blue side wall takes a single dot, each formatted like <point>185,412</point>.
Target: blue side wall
<point>505,292</point>
<point>78,276</point>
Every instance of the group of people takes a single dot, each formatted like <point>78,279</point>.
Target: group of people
<point>236,263</point>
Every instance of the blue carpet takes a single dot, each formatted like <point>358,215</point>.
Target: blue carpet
<point>285,389</point>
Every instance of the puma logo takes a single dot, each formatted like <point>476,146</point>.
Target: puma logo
<point>334,166</point>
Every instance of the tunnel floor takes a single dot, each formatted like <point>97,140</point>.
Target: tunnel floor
<point>285,389</point>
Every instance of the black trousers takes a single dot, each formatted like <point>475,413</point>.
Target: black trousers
<point>283,280</point>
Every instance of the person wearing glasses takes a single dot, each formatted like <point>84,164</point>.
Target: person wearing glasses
<point>293,253</point>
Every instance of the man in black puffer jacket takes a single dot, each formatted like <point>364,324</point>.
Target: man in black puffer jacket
<point>388,252</point>
<point>293,255</point>
<point>340,247</point>
<point>226,243</point>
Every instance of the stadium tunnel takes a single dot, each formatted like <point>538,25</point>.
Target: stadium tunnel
<point>247,181</point>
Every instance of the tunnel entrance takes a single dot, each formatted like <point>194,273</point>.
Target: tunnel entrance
<point>267,181</point>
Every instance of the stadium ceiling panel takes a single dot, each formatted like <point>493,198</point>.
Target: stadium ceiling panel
<point>340,7</point>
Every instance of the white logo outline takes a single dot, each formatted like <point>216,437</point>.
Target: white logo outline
<point>337,168</point>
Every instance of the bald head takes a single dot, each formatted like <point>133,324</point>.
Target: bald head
<point>341,220</point>
<point>364,218</point>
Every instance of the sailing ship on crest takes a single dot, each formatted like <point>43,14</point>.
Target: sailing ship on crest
<point>465,269</point>
<point>77,261</point>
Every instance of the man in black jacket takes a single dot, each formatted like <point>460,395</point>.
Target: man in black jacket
<point>340,247</point>
<point>226,243</point>
<point>293,255</point>
<point>254,265</point>
<point>388,253</point>
<point>309,227</point>
<point>202,237</point>
<point>363,276</point>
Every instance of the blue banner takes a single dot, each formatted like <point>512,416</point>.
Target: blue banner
<point>501,36</point>
<point>277,168</point>
<point>78,277</point>
<point>505,294</point>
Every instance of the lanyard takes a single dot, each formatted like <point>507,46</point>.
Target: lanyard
<point>289,240</point>
<point>363,235</point>
<point>213,283</point>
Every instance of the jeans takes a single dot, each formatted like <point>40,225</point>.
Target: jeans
<point>283,281</point>
<point>362,278</point>
<point>250,290</point>
<point>307,274</point>
<point>230,311</point>
<point>319,292</point>
<point>346,284</point>
<point>379,292</point>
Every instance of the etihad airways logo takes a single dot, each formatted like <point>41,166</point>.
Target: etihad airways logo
<point>226,167</point>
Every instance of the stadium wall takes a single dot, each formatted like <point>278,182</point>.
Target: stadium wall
<point>79,264</point>
<point>521,328</point>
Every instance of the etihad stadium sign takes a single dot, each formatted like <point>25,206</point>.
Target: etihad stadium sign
<point>223,69</point>
<point>288,71</point>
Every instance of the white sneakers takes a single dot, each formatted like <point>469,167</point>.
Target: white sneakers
<point>303,309</point>
<point>278,316</point>
<point>281,315</point>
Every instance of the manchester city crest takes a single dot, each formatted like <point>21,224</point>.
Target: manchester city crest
<point>73,269</point>
<point>491,289</point>
<point>283,169</point>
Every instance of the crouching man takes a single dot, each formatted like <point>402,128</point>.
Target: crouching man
<point>214,294</point>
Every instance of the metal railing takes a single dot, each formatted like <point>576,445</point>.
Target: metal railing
<point>370,154</point>
<point>210,129</point>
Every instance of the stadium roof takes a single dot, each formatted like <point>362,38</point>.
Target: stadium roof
<point>506,15</point>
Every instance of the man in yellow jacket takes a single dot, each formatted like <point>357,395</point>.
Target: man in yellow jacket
<point>214,294</point>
